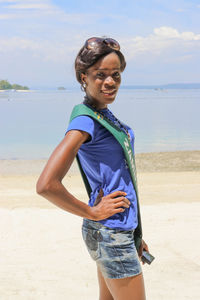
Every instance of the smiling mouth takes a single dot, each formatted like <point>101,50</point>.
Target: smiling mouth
<point>110,93</point>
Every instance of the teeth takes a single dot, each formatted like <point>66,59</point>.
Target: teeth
<point>109,93</point>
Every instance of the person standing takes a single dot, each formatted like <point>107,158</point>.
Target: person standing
<point>110,217</point>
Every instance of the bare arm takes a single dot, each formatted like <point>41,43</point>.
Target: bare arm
<point>49,184</point>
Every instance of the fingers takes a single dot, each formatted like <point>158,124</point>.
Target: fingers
<point>119,210</point>
<point>110,204</point>
<point>122,202</point>
<point>118,199</point>
<point>145,247</point>
<point>117,194</point>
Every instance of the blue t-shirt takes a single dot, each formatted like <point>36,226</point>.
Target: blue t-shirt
<point>104,164</point>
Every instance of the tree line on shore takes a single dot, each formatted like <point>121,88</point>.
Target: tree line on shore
<point>5,85</point>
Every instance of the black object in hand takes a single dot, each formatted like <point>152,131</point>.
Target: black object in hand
<point>147,257</point>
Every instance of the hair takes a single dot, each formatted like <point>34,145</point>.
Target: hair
<point>87,58</point>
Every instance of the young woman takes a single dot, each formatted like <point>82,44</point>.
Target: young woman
<point>110,217</point>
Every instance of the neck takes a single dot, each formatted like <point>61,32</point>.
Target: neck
<point>92,102</point>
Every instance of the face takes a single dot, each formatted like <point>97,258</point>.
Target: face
<point>103,80</point>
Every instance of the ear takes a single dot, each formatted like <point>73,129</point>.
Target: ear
<point>83,77</point>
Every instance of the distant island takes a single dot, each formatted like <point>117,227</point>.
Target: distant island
<point>61,88</point>
<point>5,85</point>
<point>164,86</point>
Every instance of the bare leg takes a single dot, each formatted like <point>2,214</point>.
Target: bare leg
<point>129,288</point>
<point>104,293</point>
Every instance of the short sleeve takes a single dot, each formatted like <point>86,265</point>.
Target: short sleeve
<point>83,123</point>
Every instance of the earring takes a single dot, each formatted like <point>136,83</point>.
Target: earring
<point>83,86</point>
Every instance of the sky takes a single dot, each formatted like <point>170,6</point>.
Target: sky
<point>39,40</point>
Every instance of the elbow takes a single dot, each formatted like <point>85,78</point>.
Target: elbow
<point>42,188</point>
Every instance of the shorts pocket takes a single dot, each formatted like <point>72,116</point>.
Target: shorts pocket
<point>92,238</point>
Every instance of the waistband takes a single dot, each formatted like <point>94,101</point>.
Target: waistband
<point>94,224</point>
<point>97,225</point>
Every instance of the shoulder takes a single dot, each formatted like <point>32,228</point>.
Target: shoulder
<point>83,123</point>
<point>82,120</point>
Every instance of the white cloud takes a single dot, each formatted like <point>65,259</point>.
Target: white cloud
<point>7,16</point>
<point>43,50</point>
<point>161,40</point>
<point>32,9</point>
<point>22,6</point>
<point>25,8</point>
<point>171,33</point>
<point>17,43</point>
<point>7,1</point>
<point>180,10</point>
<point>166,32</point>
<point>23,1</point>
<point>30,6</point>
<point>15,3</point>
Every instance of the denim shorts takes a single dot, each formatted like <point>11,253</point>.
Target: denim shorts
<point>113,250</point>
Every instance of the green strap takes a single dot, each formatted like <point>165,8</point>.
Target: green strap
<point>123,140</point>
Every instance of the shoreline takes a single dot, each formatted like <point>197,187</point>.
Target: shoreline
<point>13,90</point>
<point>174,161</point>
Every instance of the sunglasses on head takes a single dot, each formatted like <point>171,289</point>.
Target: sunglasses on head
<point>94,42</point>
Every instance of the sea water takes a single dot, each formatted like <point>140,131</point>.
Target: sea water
<point>33,123</point>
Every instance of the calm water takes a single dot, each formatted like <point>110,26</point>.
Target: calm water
<point>33,123</point>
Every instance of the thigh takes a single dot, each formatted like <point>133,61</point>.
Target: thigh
<point>129,288</point>
<point>104,293</point>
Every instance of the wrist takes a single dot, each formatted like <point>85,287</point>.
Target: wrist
<point>92,213</point>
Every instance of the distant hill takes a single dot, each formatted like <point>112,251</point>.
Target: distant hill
<point>164,86</point>
<point>5,85</point>
<point>61,88</point>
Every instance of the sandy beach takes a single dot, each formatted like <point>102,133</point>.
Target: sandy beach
<point>42,255</point>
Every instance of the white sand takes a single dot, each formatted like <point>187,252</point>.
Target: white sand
<point>43,257</point>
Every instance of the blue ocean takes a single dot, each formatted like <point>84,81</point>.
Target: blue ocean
<point>33,123</point>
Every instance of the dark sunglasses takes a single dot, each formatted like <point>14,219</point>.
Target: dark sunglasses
<point>94,42</point>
